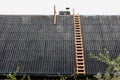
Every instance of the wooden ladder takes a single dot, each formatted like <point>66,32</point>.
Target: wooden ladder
<point>80,65</point>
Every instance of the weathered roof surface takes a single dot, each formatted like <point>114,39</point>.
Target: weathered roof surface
<point>36,45</point>
<point>100,32</point>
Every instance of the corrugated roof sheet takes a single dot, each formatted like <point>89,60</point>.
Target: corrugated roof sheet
<point>36,45</point>
<point>100,32</point>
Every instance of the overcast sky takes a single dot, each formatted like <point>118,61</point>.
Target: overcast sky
<point>45,7</point>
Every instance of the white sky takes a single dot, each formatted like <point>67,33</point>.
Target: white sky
<point>45,7</point>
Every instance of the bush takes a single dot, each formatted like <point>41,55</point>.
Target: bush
<point>113,65</point>
<point>13,76</point>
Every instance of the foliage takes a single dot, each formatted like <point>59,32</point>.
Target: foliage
<point>71,77</point>
<point>74,76</point>
<point>13,76</point>
<point>113,65</point>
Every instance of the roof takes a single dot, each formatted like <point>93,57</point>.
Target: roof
<point>100,32</point>
<point>36,45</point>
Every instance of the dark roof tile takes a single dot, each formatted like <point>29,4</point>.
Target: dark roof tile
<point>36,45</point>
<point>97,36</point>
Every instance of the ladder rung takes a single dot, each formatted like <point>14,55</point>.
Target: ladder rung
<point>78,37</point>
<point>79,51</point>
<point>77,29</point>
<point>80,61</point>
<point>80,72</point>
<point>77,40</point>
<point>77,17</point>
<point>78,24</point>
<point>79,54</point>
<point>80,58</point>
<point>81,68</point>
<point>79,46</point>
<point>79,34</point>
<point>78,43</point>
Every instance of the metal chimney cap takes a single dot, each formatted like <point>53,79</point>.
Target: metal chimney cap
<point>67,8</point>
